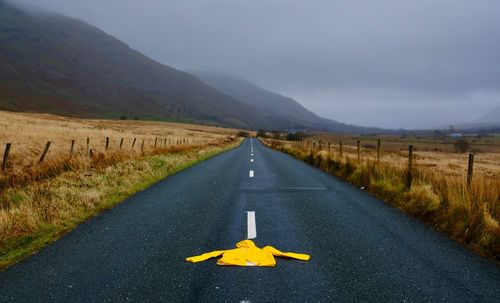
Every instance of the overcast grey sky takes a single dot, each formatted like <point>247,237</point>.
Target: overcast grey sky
<point>387,63</point>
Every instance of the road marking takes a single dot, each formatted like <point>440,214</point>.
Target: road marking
<point>251,154</point>
<point>251,160</point>
<point>251,226</point>
<point>251,174</point>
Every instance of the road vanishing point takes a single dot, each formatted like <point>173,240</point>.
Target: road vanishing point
<point>361,248</point>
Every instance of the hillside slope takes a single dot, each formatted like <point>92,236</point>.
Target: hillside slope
<point>56,64</point>
<point>251,94</point>
<point>278,105</point>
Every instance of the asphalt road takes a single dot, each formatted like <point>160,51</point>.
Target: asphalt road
<point>361,248</point>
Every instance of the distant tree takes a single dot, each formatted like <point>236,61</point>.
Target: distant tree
<point>243,134</point>
<point>123,117</point>
<point>461,145</point>
<point>136,118</point>
<point>261,133</point>
<point>297,136</point>
<point>276,135</point>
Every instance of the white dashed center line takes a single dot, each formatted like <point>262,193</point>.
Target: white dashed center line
<point>251,174</point>
<point>251,226</point>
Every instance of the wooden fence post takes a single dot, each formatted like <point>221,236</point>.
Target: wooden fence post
<point>470,169</point>
<point>72,149</point>
<point>142,146</point>
<point>6,156</point>
<point>409,176</point>
<point>133,143</point>
<point>378,150</point>
<point>340,149</point>
<point>329,150</point>
<point>107,144</point>
<point>45,151</point>
<point>88,146</point>
<point>156,141</point>
<point>121,143</point>
<point>359,150</point>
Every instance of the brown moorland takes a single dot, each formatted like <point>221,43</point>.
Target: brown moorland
<point>439,193</point>
<point>40,201</point>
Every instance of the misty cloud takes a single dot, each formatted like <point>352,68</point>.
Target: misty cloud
<point>380,63</point>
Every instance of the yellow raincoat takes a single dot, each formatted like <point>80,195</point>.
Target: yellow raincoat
<point>247,254</point>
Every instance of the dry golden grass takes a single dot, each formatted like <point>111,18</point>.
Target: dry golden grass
<point>428,152</point>
<point>439,194</point>
<point>41,201</point>
<point>28,134</point>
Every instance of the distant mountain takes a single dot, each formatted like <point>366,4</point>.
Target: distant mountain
<point>489,121</point>
<point>56,64</point>
<point>251,94</point>
<point>490,117</point>
<point>278,105</point>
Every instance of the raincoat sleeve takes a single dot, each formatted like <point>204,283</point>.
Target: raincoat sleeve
<point>205,256</point>
<point>279,253</point>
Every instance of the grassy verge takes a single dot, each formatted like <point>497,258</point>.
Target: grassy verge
<point>470,215</point>
<point>37,213</point>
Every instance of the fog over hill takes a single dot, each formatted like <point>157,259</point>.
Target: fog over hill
<point>57,64</point>
<point>388,63</point>
<point>279,105</point>
<point>52,63</point>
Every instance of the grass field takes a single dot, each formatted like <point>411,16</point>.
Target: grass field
<point>41,201</point>
<point>428,151</point>
<point>439,193</point>
<point>28,134</point>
